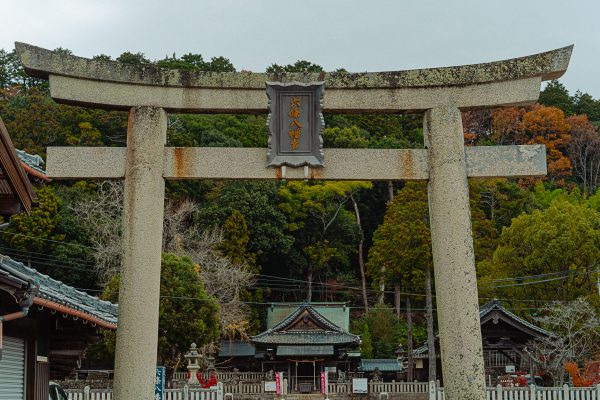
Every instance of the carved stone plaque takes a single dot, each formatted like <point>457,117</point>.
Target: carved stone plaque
<point>295,123</point>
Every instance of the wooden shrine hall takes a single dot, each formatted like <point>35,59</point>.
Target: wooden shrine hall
<point>301,340</point>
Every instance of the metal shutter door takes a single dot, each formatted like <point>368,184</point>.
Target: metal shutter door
<point>12,369</point>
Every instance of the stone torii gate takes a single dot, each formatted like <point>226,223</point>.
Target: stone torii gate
<point>149,93</point>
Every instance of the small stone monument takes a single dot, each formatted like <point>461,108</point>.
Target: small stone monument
<point>193,367</point>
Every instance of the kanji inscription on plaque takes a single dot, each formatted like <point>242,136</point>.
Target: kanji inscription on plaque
<point>295,124</point>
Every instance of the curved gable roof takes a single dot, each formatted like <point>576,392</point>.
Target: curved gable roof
<point>291,331</point>
<point>495,309</point>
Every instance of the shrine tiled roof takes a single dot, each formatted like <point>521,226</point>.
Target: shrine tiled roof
<point>56,295</point>
<point>496,305</point>
<point>485,312</point>
<point>327,334</point>
<point>381,364</point>
<point>236,348</point>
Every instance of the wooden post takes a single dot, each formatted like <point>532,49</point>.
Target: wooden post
<point>86,393</point>
<point>565,392</point>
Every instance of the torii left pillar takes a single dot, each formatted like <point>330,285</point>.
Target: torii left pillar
<point>139,290</point>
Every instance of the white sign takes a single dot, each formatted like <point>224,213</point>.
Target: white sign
<point>510,369</point>
<point>360,385</point>
<point>270,386</point>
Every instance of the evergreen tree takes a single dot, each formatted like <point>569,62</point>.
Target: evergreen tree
<point>556,95</point>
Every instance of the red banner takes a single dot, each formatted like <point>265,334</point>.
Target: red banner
<point>324,382</point>
<point>278,382</point>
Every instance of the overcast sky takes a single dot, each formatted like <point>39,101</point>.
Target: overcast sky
<point>359,35</point>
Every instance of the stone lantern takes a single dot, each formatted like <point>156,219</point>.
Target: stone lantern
<point>401,357</point>
<point>192,356</point>
<point>210,351</point>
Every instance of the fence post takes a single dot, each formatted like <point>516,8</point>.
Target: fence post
<point>499,392</point>
<point>186,392</point>
<point>532,392</point>
<point>565,392</point>
<point>432,390</point>
<point>598,391</point>
<point>219,390</point>
<point>86,393</point>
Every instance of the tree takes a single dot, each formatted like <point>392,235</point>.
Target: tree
<point>537,124</point>
<point>37,231</point>
<point>346,138</point>
<point>586,104</point>
<point>187,313</point>
<point>547,125</point>
<point>235,241</point>
<point>314,213</point>
<point>361,257</point>
<point>550,254</point>
<point>133,58</point>
<point>100,216</point>
<point>575,337</point>
<point>298,66</point>
<point>506,125</point>
<point>556,95</point>
<point>366,345</point>
<point>584,151</point>
<point>502,200</point>
<point>12,74</point>
<point>195,62</point>
<point>257,202</point>
<point>402,244</point>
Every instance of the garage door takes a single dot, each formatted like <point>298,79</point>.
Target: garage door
<point>12,369</point>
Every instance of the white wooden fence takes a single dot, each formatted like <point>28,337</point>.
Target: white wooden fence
<point>185,393</point>
<point>529,393</point>
<point>225,376</point>
<point>382,387</point>
<point>435,393</point>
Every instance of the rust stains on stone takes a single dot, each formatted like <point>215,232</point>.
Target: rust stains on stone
<point>316,173</point>
<point>180,162</point>
<point>407,163</point>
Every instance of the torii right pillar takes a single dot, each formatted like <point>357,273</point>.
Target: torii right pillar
<point>453,255</point>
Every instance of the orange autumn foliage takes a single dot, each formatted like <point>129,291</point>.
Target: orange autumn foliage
<point>506,125</point>
<point>547,125</point>
<point>591,373</point>
<point>535,125</point>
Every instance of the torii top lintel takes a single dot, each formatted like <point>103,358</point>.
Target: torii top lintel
<point>113,85</point>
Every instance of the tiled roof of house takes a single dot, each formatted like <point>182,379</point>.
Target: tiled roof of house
<point>33,164</point>
<point>56,295</point>
<point>328,334</point>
